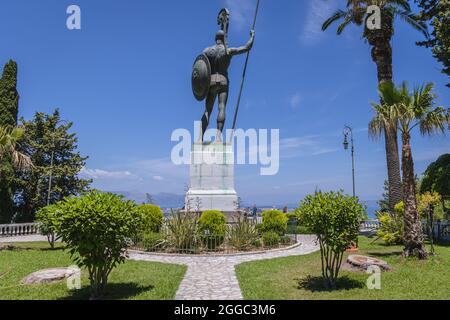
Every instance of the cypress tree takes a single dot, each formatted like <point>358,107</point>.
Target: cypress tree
<point>9,107</point>
<point>9,97</point>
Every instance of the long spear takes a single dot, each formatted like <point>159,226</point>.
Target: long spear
<point>243,78</point>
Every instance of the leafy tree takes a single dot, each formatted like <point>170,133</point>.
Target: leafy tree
<point>384,202</point>
<point>380,41</point>
<point>408,111</point>
<point>45,136</point>
<point>96,229</point>
<point>436,179</point>
<point>335,219</point>
<point>47,219</point>
<point>9,104</point>
<point>437,13</point>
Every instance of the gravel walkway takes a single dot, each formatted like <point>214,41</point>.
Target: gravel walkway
<point>214,278</point>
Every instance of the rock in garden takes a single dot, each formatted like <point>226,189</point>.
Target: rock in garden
<point>363,262</point>
<point>50,275</point>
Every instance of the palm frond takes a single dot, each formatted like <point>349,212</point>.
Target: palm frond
<point>9,139</point>
<point>338,15</point>
<point>413,21</point>
<point>402,4</point>
<point>21,162</point>
<point>435,121</point>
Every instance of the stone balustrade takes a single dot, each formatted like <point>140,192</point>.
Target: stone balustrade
<point>370,225</point>
<point>19,229</point>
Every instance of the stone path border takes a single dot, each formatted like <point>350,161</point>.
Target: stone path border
<point>214,277</point>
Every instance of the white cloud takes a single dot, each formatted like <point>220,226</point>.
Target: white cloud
<point>241,12</point>
<point>306,146</point>
<point>318,12</point>
<point>99,174</point>
<point>295,100</point>
<point>158,178</point>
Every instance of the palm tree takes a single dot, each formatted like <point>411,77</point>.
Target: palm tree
<point>9,138</point>
<point>407,112</point>
<point>380,41</point>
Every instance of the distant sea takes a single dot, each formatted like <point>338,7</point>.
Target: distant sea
<point>371,206</point>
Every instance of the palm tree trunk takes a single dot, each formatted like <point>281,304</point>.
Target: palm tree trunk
<point>382,56</point>
<point>413,235</point>
<point>393,168</point>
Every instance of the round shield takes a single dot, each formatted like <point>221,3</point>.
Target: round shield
<point>201,77</point>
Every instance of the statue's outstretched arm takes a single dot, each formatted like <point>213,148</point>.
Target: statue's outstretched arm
<point>243,49</point>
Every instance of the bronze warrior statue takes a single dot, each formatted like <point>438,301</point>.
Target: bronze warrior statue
<point>210,77</point>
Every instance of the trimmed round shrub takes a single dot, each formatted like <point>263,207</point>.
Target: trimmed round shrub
<point>271,239</point>
<point>274,221</point>
<point>152,217</point>
<point>152,241</point>
<point>212,228</point>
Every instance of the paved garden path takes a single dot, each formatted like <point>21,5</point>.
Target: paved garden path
<point>29,238</point>
<point>214,277</point>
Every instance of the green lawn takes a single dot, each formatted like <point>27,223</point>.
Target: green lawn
<point>132,280</point>
<point>298,278</point>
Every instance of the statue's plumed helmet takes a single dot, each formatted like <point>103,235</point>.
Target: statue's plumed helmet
<point>220,35</point>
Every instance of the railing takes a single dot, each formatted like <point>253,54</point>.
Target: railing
<point>19,229</point>
<point>370,225</point>
<point>441,230</point>
<point>234,240</point>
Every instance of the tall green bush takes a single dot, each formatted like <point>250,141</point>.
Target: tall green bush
<point>391,225</point>
<point>96,229</point>
<point>335,219</point>
<point>274,221</point>
<point>212,228</point>
<point>152,217</point>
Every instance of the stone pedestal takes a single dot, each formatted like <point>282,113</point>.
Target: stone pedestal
<point>212,178</point>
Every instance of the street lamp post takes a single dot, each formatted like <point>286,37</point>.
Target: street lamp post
<point>348,132</point>
<point>52,159</point>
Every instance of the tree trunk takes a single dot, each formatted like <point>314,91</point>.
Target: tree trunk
<point>393,168</point>
<point>380,40</point>
<point>413,234</point>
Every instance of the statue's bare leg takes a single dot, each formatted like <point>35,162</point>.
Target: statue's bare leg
<point>223,97</point>
<point>210,100</point>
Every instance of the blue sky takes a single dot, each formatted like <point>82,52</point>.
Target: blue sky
<point>124,80</point>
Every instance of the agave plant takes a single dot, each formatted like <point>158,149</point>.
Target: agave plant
<point>242,234</point>
<point>181,230</point>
